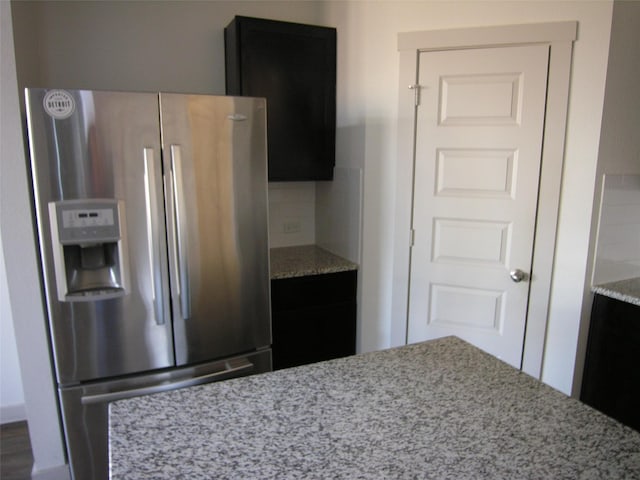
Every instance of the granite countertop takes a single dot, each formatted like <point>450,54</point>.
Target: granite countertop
<point>624,290</point>
<point>441,409</point>
<point>300,261</point>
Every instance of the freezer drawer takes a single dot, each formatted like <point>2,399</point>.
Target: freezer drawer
<point>85,407</point>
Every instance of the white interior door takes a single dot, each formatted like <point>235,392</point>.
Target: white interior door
<point>478,148</point>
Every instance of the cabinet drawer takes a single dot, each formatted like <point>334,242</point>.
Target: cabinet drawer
<point>314,290</point>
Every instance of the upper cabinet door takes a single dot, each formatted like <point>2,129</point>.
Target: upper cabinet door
<point>293,66</point>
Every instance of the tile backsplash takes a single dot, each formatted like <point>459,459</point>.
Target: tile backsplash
<point>292,216</point>
<point>618,247</point>
<point>328,214</point>
<point>339,213</point>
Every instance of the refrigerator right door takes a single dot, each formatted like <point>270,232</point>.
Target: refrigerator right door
<point>214,154</point>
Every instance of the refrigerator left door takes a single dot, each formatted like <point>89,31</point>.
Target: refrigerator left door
<point>97,176</point>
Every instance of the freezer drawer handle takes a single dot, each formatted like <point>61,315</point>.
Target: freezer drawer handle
<point>182,255</point>
<point>190,382</point>
<point>152,231</point>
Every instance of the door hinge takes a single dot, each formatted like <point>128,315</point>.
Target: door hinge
<point>412,237</point>
<point>416,92</point>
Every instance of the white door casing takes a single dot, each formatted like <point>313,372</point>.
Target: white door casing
<point>559,36</point>
<point>479,131</point>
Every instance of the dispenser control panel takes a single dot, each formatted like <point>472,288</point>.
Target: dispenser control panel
<point>91,221</point>
<point>99,217</point>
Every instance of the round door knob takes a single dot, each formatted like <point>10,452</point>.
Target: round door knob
<point>517,275</point>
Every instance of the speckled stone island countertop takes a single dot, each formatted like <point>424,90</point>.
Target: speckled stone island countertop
<point>300,261</point>
<point>440,409</point>
<point>624,290</point>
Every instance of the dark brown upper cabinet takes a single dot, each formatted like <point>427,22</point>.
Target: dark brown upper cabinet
<point>294,67</point>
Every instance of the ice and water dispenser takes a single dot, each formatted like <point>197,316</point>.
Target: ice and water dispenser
<point>89,249</point>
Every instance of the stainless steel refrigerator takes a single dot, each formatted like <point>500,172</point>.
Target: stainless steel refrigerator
<point>152,221</point>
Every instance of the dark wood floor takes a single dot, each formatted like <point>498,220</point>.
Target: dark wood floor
<point>16,459</point>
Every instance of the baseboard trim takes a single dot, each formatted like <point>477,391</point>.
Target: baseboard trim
<point>60,472</point>
<point>12,413</point>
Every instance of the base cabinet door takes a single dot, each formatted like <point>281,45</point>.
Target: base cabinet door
<point>611,380</point>
<point>313,319</point>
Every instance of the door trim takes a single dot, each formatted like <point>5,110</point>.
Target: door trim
<point>559,36</point>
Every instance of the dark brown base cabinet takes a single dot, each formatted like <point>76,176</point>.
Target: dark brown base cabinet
<point>313,318</point>
<point>611,380</point>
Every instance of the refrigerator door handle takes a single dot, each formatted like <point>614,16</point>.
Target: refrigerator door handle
<point>152,232</point>
<point>181,255</point>
<point>229,370</point>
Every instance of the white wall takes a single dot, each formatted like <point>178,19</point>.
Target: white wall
<point>367,99</point>
<point>619,149</point>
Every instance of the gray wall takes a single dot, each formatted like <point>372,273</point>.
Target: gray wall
<point>178,46</point>
<point>18,243</point>
<point>143,46</point>
<point>149,45</point>
<point>620,136</point>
